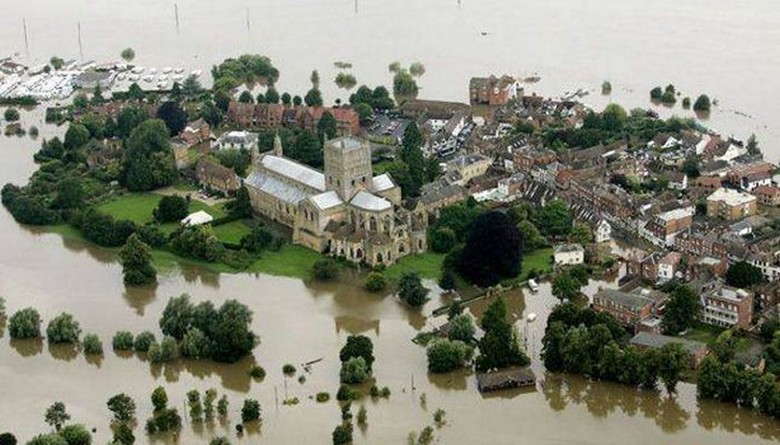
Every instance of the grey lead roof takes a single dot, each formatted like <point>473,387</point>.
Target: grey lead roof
<point>295,171</point>
<point>382,182</point>
<point>367,201</point>
<point>274,187</point>
<point>327,200</point>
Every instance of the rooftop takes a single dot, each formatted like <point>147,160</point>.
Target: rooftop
<point>650,340</point>
<point>346,143</point>
<point>624,299</point>
<point>274,187</point>
<point>382,182</point>
<point>731,197</point>
<point>295,171</point>
<point>327,200</point>
<point>565,248</point>
<point>367,201</point>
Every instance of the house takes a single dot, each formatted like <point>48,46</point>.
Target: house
<point>464,168</point>
<point>492,90</point>
<point>196,132</point>
<point>664,227</point>
<point>726,306</point>
<point>628,308</point>
<point>707,184</point>
<point>767,195</point>
<point>603,232</point>
<point>505,379</point>
<point>216,177</point>
<point>347,120</point>
<point>569,254</point>
<point>731,204</point>
<point>196,219</point>
<point>758,179</point>
<point>696,350</point>
<point>526,158</point>
<point>668,266</point>
<point>236,140</point>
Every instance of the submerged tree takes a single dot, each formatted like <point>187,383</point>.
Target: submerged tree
<point>136,259</point>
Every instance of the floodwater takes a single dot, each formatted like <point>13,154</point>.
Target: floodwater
<point>728,50</point>
<point>725,50</point>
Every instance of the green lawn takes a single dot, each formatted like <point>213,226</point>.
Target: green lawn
<point>232,232</point>
<point>428,265</point>
<point>540,260</point>
<point>703,332</point>
<point>139,207</point>
<point>289,261</point>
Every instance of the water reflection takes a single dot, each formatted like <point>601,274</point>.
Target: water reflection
<point>139,297</point>
<point>355,325</point>
<point>721,416</point>
<point>64,351</point>
<point>453,381</point>
<point>602,399</point>
<point>27,348</point>
<point>95,359</point>
<point>233,376</point>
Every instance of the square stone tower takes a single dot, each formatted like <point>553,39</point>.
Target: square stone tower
<point>347,166</point>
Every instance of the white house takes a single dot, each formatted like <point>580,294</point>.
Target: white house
<point>569,254</point>
<point>197,218</point>
<point>603,232</point>
<point>236,140</point>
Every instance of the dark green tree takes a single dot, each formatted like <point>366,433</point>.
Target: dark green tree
<point>448,355</point>
<point>493,251</point>
<point>326,127</point>
<point>672,359</point>
<point>174,116</point>
<point>136,258</point>
<point>498,348</point>
<point>171,208</point>
<point>411,291</point>
<point>358,346</point>
<point>56,415</point>
<point>682,311</point>
<point>250,412</point>
<point>554,219</point>
<point>148,162</point>
<point>122,407</point>
<point>313,98</point>
<point>743,275</point>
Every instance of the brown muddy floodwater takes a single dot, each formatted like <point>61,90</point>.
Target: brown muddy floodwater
<point>726,49</point>
<point>298,322</point>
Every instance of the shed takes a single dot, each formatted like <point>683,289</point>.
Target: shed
<point>505,379</point>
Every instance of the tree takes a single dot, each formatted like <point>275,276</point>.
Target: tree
<point>448,355</point>
<point>56,62</point>
<point>447,280</point>
<point>682,311</point>
<point>416,69</point>
<point>7,439</point>
<point>76,137</point>
<point>442,239</point>
<point>743,275</point>
<point>123,435</point>
<point>752,146</point>
<point>134,92</point>
<point>11,114</point>
<point>462,328</point>
<point>148,162</point>
<point>92,345</point>
<point>581,234</point>
<point>493,250</point>
<point>250,412</point>
<point>56,415</point>
<point>166,351</point>
<point>128,54</point>
<point>297,101</point>
<point>128,119</point>
<point>63,329</point>
<point>307,149</point>
<point>315,79</point>
<point>412,156</point>
<point>191,87</point>
<point>122,407</point>
<point>70,194</point>
<point>498,348</point>
<point>80,102</point>
<point>326,127</point>
<point>354,371</point>
<point>326,269</point>
<point>532,238</point>
<point>375,282</point>
<point>672,359</point>
<point>159,399</point>
<point>342,434</point>
<point>411,291</point>
<point>286,98</point>
<point>48,439</point>
<point>565,286</point>
<point>404,84</point>
<point>174,116</point>
<point>313,98</point>
<point>24,324</point>
<point>76,435</point>
<point>233,337</point>
<point>702,104</point>
<point>272,96</point>
<point>171,208</point>
<point>195,344</point>
<point>241,206</point>
<point>136,258</point>
<point>196,407</point>
<point>246,98</point>
<point>364,112</point>
<point>122,341</point>
<point>554,219</point>
<point>358,346</point>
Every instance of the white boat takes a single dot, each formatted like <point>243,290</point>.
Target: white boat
<point>161,85</point>
<point>177,78</point>
<point>121,76</point>
<point>531,317</point>
<point>533,285</point>
<point>167,70</point>
<point>178,70</point>
<point>196,73</point>
<point>133,77</point>
<point>162,78</point>
<point>152,71</point>
<point>148,78</point>
<point>137,70</point>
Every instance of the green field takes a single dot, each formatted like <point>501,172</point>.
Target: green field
<point>428,265</point>
<point>540,260</point>
<point>232,232</point>
<point>139,207</point>
<point>289,261</point>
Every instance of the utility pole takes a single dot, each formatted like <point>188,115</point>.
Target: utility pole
<point>26,41</point>
<point>81,48</point>
<point>176,14</point>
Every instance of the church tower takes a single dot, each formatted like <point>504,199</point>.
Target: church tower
<point>347,166</point>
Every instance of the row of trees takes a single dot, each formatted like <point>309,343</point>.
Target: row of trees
<point>581,341</point>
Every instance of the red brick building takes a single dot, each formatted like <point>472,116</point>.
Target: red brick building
<point>492,90</point>
<point>767,195</point>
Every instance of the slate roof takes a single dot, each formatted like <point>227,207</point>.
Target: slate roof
<point>632,301</point>
<point>327,200</point>
<point>650,340</point>
<point>295,171</point>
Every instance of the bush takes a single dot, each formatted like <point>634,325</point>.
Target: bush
<point>462,328</point>
<point>411,291</point>
<point>358,346</point>
<point>7,439</point>
<point>342,435</point>
<point>288,369</point>
<point>346,394</point>
<point>143,341</point>
<point>354,371</point>
<point>195,344</point>
<point>322,397</point>
<point>48,439</point>
<point>446,355</point>
<point>260,239</point>
<point>250,412</point>
<point>25,323</point>
<point>443,240</point>
<point>92,344</point>
<point>702,104</point>
<point>656,93</point>
<point>11,114</point>
<point>257,372</point>
<point>122,341</point>
<point>166,351</point>
<point>198,242</point>
<point>326,269</point>
<point>375,282</point>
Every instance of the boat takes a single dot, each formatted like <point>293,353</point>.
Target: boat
<point>178,70</point>
<point>167,70</point>
<point>133,77</point>
<point>531,317</point>
<point>533,285</point>
<point>162,78</point>
<point>148,78</point>
<point>152,70</point>
<point>177,78</point>
<point>484,33</point>
<point>196,73</point>
<point>137,70</point>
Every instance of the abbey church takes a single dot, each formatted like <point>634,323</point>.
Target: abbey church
<point>344,211</point>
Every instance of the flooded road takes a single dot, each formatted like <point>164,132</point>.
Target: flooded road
<point>636,45</point>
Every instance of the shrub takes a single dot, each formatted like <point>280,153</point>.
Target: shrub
<point>288,369</point>
<point>322,397</point>
<point>342,435</point>
<point>462,328</point>
<point>92,344</point>
<point>443,240</point>
<point>63,329</point>
<point>25,323</point>
<point>195,344</point>
<point>326,269</point>
<point>7,439</point>
<point>166,351</point>
<point>411,291</point>
<point>76,435</point>
<point>375,282</point>
<point>172,208</point>
<point>11,114</point>
<point>345,394</point>
<point>122,341</point>
<point>446,355</point>
<point>702,104</point>
<point>143,341</point>
<point>257,372</point>
<point>250,412</point>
